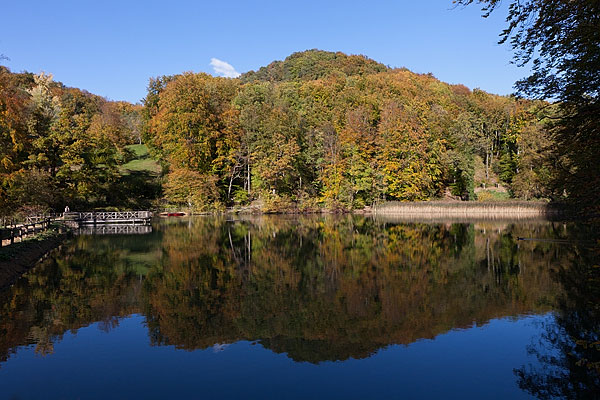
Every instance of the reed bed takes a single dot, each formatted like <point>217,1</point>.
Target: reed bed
<point>469,210</point>
<point>455,219</point>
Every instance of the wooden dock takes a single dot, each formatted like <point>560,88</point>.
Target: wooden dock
<point>109,217</point>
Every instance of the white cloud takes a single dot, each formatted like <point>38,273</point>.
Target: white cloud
<point>223,68</point>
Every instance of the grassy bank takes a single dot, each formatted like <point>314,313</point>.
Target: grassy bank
<point>18,258</point>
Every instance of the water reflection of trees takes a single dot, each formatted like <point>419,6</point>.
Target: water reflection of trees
<point>314,288</point>
<point>88,281</point>
<point>569,351</point>
<point>337,288</point>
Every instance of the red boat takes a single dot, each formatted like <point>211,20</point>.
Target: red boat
<point>173,214</point>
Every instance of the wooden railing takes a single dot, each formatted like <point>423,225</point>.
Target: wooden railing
<point>21,231</point>
<point>14,221</point>
<point>109,217</point>
<point>32,219</point>
<point>115,215</point>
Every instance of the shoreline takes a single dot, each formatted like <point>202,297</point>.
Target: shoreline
<point>422,209</point>
<point>18,258</point>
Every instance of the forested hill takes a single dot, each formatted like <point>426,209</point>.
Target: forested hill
<point>319,129</point>
<point>323,129</point>
<point>314,64</point>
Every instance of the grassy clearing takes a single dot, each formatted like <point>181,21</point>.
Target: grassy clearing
<point>142,165</point>
<point>140,150</point>
<point>143,162</point>
<point>492,195</point>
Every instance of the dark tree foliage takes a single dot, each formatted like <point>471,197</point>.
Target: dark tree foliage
<point>561,41</point>
<point>314,64</point>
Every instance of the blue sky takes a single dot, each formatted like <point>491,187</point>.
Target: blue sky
<point>112,48</point>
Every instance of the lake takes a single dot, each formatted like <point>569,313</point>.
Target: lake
<point>296,307</point>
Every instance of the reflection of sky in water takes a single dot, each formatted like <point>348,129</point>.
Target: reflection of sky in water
<point>476,362</point>
<point>219,347</point>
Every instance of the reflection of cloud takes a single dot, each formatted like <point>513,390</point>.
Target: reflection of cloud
<point>223,68</point>
<point>218,347</point>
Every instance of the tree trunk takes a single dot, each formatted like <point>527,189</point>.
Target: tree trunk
<point>248,177</point>
<point>487,165</point>
<point>229,188</point>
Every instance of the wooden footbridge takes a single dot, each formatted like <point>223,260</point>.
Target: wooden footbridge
<point>113,222</point>
<point>109,217</point>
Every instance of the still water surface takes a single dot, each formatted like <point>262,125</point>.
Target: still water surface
<point>307,307</point>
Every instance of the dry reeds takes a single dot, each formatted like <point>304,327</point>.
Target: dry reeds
<point>495,210</point>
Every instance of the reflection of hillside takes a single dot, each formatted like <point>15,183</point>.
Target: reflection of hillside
<point>341,288</point>
<point>317,289</point>
<point>79,288</point>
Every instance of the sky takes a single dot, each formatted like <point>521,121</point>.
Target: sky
<point>112,48</point>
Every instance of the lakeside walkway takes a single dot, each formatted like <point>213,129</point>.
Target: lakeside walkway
<point>35,224</point>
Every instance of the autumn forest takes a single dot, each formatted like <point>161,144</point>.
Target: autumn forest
<point>317,130</point>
